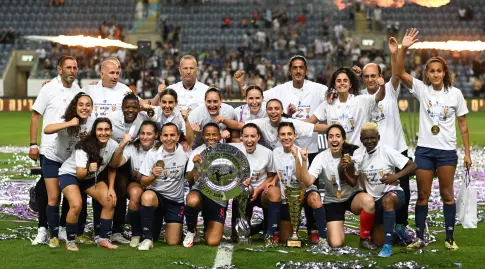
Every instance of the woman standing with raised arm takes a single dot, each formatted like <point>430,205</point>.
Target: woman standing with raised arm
<point>440,105</point>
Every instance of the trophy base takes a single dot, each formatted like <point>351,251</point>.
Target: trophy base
<point>244,241</point>
<point>293,243</point>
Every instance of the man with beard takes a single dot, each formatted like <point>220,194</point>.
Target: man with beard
<point>51,103</point>
<point>190,91</point>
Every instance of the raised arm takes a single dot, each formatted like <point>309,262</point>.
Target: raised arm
<point>240,76</point>
<point>381,93</point>
<point>156,99</point>
<point>189,132</point>
<point>118,158</point>
<point>56,127</point>
<point>408,40</point>
<point>306,178</point>
<point>393,49</point>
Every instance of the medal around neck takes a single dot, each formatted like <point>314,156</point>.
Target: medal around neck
<point>435,129</point>
<point>223,169</point>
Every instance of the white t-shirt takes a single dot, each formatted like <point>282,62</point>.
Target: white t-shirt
<point>351,114</point>
<point>386,115</point>
<point>52,103</point>
<point>306,100</point>
<point>444,107</point>
<point>106,100</point>
<point>270,133</point>
<point>120,127</point>
<point>176,118</point>
<point>171,181</point>
<point>285,167</point>
<point>260,163</point>
<point>190,98</point>
<point>63,145</point>
<point>325,167</point>
<point>136,157</point>
<point>244,114</point>
<point>79,158</point>
<point>374,166</point>
<point>201,116</point>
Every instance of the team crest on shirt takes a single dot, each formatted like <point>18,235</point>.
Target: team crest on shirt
<point>381,173</point>
<point>96,108</point>
<point>113,108</point>
<point>334,181</point>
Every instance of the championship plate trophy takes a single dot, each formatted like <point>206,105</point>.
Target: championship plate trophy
<point>294,197</point>
<point>243,226</point>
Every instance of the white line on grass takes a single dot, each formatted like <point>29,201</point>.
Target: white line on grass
<point>224,255</point>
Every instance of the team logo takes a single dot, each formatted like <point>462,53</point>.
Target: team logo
<point>113,108</point>
<point>381,173</point>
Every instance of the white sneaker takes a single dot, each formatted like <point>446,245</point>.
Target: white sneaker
<point>147,244</point>
<point>135,241</point>
<point>62,233</point>
<point>96,239</point>
<point>197,238</point>
<point>118,237</point>
<point>189,240</point>
<point>323,243</point>
<point>41,237</point>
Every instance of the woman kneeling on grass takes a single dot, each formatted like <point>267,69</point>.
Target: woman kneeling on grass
<point>162,173</point>
<point>135,153</point>
<point>341,193</point>
<point>375,164</point>
<point>79,174</point>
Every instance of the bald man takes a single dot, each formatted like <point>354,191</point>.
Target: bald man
<point>386,115</point>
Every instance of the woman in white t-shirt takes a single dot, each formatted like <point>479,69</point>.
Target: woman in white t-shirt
<point>76,124</point>
<point>135,153</point>
<point>162,173</point>
<point>440,105</point>
<point>214,107</point>
<point>288,161</point>
<point>375,165</point>
<point>341,193</point>
<point>269,125</point>
<point>345,106</point>
<point>167,111</point>
<point>254,108</point>
<point>79,174</point>
<point>265,195</point>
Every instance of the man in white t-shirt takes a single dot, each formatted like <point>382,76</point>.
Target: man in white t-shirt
<point>386,115</point>
<point>51,104</point>
<point>190,91</point>
<point>299,96</point>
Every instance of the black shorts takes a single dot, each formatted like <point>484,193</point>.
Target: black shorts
<point>285,210</point>
<point>50,168</point>
<point>336,211</point>
<point>171,211</point>
<point>212,211</point>
<point>401,201</point>
<point>68,179</point>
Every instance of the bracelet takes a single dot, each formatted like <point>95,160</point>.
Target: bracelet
<point>34,147</point>
<point>33,143</point>
<point>245,86</point>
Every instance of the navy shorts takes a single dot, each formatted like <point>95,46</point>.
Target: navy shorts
<point>430,159</point>
<point>171,211</point>
<point>212,211</point>
<point>401,200</point>
<point>67,180</point>
<point>285,210</point>
<point>336,211</point>
<point>50,168</point>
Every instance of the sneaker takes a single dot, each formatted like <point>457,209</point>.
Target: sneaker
<point>41,237</point>
<point>62,233</point>
<point>105,243</point>
<point>83,239</point>
<point>366,243</point>
<point>135,241</point>
<point>402,234</point>
<point>71,245</point>
<point>147,244</point>
<point>189,240</point>
<point>450,244</point>
<point>322,242</point>
<point>386,251</point>
<point>269,241</point>
<point>54,242</point>
<point>314,237</point>
<point>417,244</point>
<point>96,239</point>
<point>118,237</point>
<point>197,237</point>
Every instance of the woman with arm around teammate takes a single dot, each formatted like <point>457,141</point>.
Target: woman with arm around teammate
<point>440,105</point>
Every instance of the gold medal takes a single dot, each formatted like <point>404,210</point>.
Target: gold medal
<point>339,194</point>
<point>160,163</point>
<point>435,129</point>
